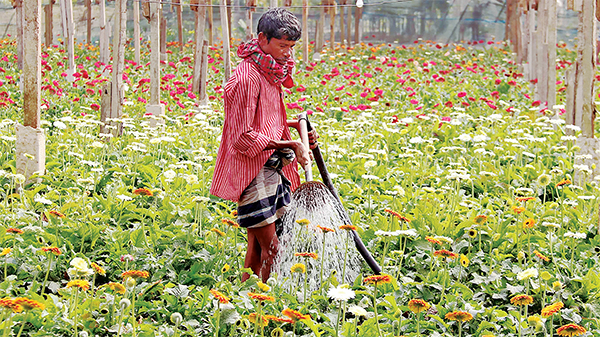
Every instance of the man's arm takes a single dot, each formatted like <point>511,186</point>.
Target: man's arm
<point>298,148</point>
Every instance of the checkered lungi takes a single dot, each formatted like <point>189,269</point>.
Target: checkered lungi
<point>265,199</point>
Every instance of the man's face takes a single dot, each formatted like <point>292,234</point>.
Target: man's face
<point>280,49</point>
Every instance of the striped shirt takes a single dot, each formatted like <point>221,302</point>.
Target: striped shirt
<point>254,115</point>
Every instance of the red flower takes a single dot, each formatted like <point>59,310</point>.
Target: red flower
<point>95,107</point>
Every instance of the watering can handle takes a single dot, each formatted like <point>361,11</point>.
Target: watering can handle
<point>303,130</point>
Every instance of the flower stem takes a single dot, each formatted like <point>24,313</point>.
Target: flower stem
<point>42,290</point>
<point>23,324</point>
<point>375,307</point>
<point>322,260</point>
<point>75,311</point>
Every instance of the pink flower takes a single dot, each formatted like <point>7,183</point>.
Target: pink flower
<point>126,257</point>
<point>339,88</point>
<point>462,94</point>
<point>414,101</point>
<point>191,95</point>
<point>95,107</point>
<point>142,100</point>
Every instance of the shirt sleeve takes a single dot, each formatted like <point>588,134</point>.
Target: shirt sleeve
<point>243,105</point>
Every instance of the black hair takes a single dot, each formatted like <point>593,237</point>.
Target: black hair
<point>277,23</point>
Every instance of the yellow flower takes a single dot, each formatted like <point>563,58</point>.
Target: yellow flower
<point>378,279</point>
<point>521,300</point>
<point>99,270</point>
<point>218,231</point>
<point>551,309</point>
<point>302,222</point>
<point>81,284</point>
<point>116,287</point>
<point>225,268</point>
<point>472,233</point>
<point>418,305</point>
<point>464,260</point>
<point>263,287</point>
<point>28,304</point>
<point>461,316</point>
<point>298,268</point>
<point>570,330</point>
<point>5,251</point>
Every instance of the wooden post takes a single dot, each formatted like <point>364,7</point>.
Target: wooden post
<point>30,137</point>
<point>136,30</point>
<point>66,9</point>
<point>305,32</point>
<point>251,4</point>
<point>177,7</point>
<point>163,35</point>
<point>357,25</point>
<point>18,5</point>
<point>210,23</point>
<point>551,49</point>
<point>225,37</point>
<point>200,59</point>
<point>332,24</point>
<point>155,109</point>
<point>88,12</point>
<point>349,26</point>
<point>104,34</point>
<point>320,28</point>
<point>229,18</point>
<point>342,26</point>
<point>49,37</point>
<point>119,39</point>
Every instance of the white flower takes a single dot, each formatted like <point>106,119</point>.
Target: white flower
<point>42,200</point>
<point>495,117</point>
<point>59,125</point>
<point>587,197</point>
<point>80,268</point>
<point>97,145</point>
<point>575,235</point>
<point>465,137</point>
<point>416,140</point>
<point>407,232</point>
<point>170,174</point>
<point>370,177</point>
<point>444,239</point>
<point>357,311</point>
<point>191,179</point>
<point>370,164</point>
<point>200,199</point>
<point>572,127</point>
<point>19,178</point>
<point>480,138</point>
<point>568,138</point>
<point>550,224</point>
<point>527,273</point>
<point>341,293</point>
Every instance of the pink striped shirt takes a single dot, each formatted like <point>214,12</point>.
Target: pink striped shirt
<point>254,115</point>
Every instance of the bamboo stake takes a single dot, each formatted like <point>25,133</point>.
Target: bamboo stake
<point>177,7</point>
<point>136,30</point>
<point>88,12</point>
<point>305,32</point>
<point>118,63</point>
<point>67,18</point>
<point>20,41</point>
<point>225,37</point>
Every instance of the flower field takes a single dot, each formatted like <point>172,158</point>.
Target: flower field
<point>462,187</point>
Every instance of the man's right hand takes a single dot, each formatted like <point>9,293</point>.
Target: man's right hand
<point>302,153</point>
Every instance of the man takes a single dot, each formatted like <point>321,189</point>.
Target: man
<point>256,164</point>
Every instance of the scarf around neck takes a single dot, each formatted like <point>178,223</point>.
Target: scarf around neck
<point>275,73</point>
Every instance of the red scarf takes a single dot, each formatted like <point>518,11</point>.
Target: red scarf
<point>275,73</point>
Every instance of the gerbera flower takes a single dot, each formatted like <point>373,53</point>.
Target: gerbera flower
<point>326,229</point>
<point>461,316</point>
<point>302,221</point>
<point>263,287</point>
<point>230,223</point>
<point>116,287</point>
<point>143,192</point>
<point>378,279</point>
<point>81,284</point>
<point>551,309</point>
<point>518,210</point>
<point>28,304</point>
<point>464,260</point>
<point>219,296</point>
<point>472,233</point>
<point>527,273</point>
<point>313,255</point>
<point>524,199</point>
<point>279,319</point>
<point>135,274</point>
<point>543,180</point>
<point>570,330</point>
<point>99,270</point>
<point>541,256</point>
<point>14,231</point>
<point>54,250</point>
<point>295,315</point>
<point>521,299</point>
<point>529,223</point>
<point>348,227</point>
<point>445,253</point>
<point>298,268</point>
<point>480,219</point>
<point>561,183</point>
<point>225,268</point>
<point>341,293</point>
<point>234,214</point>
<point>261,297</point>
<point>10,304</point>
<point>433,240</point>
<point>218,231</point>
<point>56,213</point>
<point>5,251</point>
<point>397,215</point>
<point>418,305</point>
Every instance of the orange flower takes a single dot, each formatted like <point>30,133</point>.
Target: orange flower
<point>561,183</point>
<point>551,309</point>
<point>56,213</point>
<point>10,304</point>
<point>295,315</point>
<point>570,330</point>
<point>230,223</point>
<point>261,297</point>
<point>54,250</point>
<point>521,300</point>
<point>279,319</point>
<point>433,240</point>
<point>376,279</point>
<point>418,305</point>
<point>313,255</point>
<point>461,316</point>
<point>397,215</point>
<point>14,231</point>
<point>253,317</point>
<point>518,210</point>
<point>117,287</point>
<point>99,270</point>
<point>445,253</point>
<point>135,274</point>
<point>81,284</point>
<point>480,219</point>
<point>541,256</point>
<point>525,199</point>
<point>219,296</point>
<point>529,223</point>
<point>348,227</point>
<point>143,191</point>
<point>28,304</point>
<point>326,229</point>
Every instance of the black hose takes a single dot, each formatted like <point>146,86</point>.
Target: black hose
<point>360,246</point>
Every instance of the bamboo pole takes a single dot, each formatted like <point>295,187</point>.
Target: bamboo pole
<point>250,4</point>
<point>357,17</point>
<point>225,37</point>
<point>320,28</point>
<point>104,34</point>
<point>342,25</point>
<point>136,30</point>
<point>67,19</point>
<point>118,63</point>
<point>49,37</point>
<point>177,7</point>
<point>210,23</point>
<point>88,12</point>
<point>305,32</point>
<point>332,24</point>
<point>197,83</point>
<point>163,35</point>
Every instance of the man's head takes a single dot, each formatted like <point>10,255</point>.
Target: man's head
<point>278,31</point>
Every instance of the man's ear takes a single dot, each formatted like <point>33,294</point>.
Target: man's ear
<point>262,38</point>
